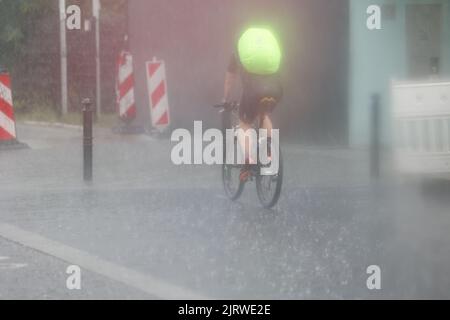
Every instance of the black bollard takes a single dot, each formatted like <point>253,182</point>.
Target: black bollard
<point>87,139</point>
<point>375,137</point>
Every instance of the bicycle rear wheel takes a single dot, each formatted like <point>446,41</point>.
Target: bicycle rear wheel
<point>231,181</point>
<point>268,187</point>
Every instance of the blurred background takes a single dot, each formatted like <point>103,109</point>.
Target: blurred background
<point>332,62</point>
<point>30,50</point>
<point>365,127</point>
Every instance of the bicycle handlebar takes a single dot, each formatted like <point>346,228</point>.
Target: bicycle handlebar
<point>227,106</point>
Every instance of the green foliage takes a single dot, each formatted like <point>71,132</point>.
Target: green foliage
<point>113,10</point>
<point>16,22</point>
<point>18,19</point>
<point>29,49</point>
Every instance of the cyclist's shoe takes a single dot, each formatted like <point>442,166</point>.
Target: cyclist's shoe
<point>245,174</point>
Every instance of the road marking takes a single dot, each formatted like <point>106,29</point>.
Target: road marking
<point>10,266</point>
<point>86,261</point>
<point>53,125</point>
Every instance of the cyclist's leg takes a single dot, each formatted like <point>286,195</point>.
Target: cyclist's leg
<point>245,141</point>
<point>267,124</point>
<point>270,92</point>
<point>247,115</point>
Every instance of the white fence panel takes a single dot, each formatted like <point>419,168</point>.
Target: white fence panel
<point>422,126</point>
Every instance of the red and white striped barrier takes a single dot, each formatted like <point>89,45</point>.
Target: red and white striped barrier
<point>7,121</point>
<point>125,87</point>
<point>157,90</point>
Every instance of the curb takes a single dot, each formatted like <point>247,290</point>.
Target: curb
<point>128,130</point>
<point>15,145</point>
<point>53,124</point>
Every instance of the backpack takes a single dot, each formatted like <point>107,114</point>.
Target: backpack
<point>259,51</point>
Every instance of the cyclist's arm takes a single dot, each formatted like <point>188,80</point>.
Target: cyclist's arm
<point>230,82</point>
<point>231,77</point>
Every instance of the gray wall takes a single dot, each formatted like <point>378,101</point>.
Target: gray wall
<point>377,57</point>
<point>196,38</point>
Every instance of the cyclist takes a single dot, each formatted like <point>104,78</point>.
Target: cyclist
<point>257,63</point>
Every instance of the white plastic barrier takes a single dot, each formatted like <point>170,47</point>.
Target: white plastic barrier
<point>422,126</point>
<point>158,94</point>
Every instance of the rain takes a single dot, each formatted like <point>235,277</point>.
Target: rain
<point>95,95</point>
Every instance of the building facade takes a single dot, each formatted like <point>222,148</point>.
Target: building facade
<point>413,44</point>
<point>332,63</point>
<point>196,38</point>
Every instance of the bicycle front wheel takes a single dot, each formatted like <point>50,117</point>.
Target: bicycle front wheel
<point>268,186</point>
<point>231,172</point>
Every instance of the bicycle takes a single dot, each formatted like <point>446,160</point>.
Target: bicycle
<point>268,186</point>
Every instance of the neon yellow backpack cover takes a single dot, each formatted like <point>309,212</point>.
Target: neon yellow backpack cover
<point>259,51</point>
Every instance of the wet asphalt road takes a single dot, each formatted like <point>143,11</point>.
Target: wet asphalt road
<point>173,225</point>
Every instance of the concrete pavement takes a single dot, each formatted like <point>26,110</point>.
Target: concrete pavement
<point>173,224</point>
